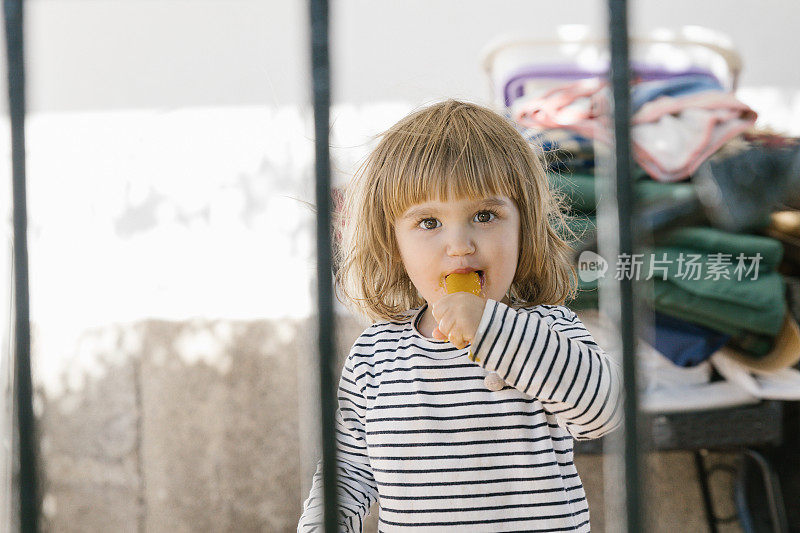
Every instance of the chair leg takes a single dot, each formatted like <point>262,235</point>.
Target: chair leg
<point>702,478</point>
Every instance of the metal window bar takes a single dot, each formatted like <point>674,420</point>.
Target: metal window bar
<point>26,436</point>
<point>623,241</point>
<point>320,67</point>
<point>619,181</point>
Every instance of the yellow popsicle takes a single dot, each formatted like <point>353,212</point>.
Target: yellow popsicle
<point>469,282</point>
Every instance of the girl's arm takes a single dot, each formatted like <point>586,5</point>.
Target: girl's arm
<point>547,353</point>
<point>357,490</point>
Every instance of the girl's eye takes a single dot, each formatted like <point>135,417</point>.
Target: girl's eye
<point>429,223</point>
<point>485,216</point>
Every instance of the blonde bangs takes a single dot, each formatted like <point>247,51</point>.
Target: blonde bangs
<point>453,154</point>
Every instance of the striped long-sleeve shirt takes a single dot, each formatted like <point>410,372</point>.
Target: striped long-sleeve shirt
<point>419,431</point>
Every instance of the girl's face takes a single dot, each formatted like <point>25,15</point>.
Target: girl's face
<point>438,238</point>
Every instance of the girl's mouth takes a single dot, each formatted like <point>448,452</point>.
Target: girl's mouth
<point>481,278</point>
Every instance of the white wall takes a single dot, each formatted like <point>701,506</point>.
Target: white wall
<point>99,54</point>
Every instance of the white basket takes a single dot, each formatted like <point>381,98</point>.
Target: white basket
<point>691,47</point>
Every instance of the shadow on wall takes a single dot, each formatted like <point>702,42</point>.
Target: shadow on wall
<point>185,426</point>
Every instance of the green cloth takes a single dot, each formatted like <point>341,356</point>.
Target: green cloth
<point>581,196</point>
<point>726,305</point>
<point>750,310</point>
<point>711,240</point>
<point>733,302</point>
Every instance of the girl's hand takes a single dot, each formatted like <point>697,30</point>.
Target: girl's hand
<point>458,316</point>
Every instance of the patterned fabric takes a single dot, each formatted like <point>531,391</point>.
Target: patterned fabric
<point>678,123</point>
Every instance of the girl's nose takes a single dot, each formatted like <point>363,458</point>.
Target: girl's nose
<point>460,243</point>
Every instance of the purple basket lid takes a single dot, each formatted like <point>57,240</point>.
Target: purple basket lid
<point>514,86</point>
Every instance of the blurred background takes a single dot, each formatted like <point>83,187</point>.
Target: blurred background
<point>171,233</point>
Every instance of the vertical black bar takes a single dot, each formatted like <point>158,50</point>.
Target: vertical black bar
<point>623,187</point>
<point>320,66</point>
<point>28,499</point>
<point>708,505</point>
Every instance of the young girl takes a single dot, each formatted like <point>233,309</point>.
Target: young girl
<point>458,411</point>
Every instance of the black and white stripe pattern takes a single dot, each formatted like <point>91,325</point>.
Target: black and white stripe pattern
<point>418,430</point>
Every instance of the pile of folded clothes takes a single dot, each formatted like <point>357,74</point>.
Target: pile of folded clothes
<point>677,122</point>
<point>710,287</point>
<point>697,279</point>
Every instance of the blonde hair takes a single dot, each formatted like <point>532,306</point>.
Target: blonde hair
<point>450,149</point>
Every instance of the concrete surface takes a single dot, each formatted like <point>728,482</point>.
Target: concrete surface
<point>203,426</point>
<point>196,431</point>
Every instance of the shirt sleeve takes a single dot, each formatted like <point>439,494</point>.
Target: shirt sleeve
<point>547,353</point>
<point>357,490</point>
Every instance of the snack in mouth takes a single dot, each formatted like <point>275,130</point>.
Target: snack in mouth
<point>468,282</point>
